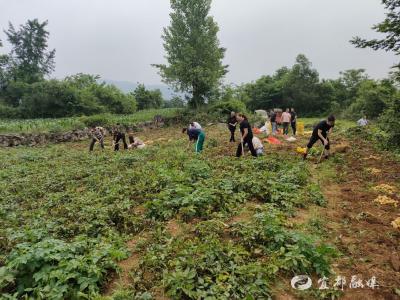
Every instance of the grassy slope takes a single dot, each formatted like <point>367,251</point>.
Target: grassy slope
<point>66,124</point>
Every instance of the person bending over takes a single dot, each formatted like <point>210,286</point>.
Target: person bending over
<point>320,132</point>
<point>196,135</point>
<point>118,135</point>
<point>258,146</point>
<point>97,136</point>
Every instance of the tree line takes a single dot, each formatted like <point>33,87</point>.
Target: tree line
<point>25,91</point>
<point>299,86</point>
<point>195,67</point>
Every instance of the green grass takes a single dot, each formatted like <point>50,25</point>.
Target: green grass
<point>65,214</point>
<point>341,124</point>
<point>67,124</point>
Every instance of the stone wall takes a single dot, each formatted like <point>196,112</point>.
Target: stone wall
<point>34,139</point>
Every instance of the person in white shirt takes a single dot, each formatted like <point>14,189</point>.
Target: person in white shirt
<point>137,143</point>
<point>195,125</point>
<point>258,146</point>
<point>363,121</point>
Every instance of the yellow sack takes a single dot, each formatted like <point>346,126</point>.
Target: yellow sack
<point>300,128</point>
<point>301,150</point>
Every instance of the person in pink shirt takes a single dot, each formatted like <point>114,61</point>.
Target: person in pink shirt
<point>286,118</point>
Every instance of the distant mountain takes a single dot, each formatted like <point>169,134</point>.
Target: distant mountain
<point>127,87</point>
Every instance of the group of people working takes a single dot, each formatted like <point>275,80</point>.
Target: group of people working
<point>283,119</point>
<point>320,132</point>
<point>118,134</point>
<point>248,141</point>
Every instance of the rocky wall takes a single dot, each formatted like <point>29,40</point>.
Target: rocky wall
<point>35,139</point>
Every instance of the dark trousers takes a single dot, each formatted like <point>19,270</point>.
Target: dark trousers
<point>232,130</point>
<point>94,142</point>
<point>120,136</point>
<point>249,144</point>
<point>315,138</point>
<point>293,127</point>
<point>285,128</point>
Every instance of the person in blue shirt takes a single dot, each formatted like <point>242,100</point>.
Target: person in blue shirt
<point>196,135</point>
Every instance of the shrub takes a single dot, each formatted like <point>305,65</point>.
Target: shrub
<point>54,269</point>
<point>96,120</point>
<point>225,107</point>
<point>389,123</point>
<point>8,112</point>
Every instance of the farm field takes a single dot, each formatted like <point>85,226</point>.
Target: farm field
<point>165,223</point>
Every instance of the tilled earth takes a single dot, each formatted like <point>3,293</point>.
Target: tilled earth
<point>359,227</point>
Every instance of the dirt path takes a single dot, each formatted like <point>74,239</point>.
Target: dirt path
<point>126,266</point>
<point>360,227</point>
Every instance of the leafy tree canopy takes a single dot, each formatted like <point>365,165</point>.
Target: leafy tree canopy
<point>193,52</point>
<point>30,60</point>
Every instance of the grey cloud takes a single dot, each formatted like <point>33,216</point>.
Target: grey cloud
<point>119,39</point>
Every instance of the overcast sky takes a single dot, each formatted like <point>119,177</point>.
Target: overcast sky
<point>119,39</point>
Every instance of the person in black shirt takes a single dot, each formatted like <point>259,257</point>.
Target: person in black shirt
<point>293,120</point>
<point>273,122</point>
<point>320,132</point>
<point>246,136</point>
<point>118,135</point>
<point>232,122</point>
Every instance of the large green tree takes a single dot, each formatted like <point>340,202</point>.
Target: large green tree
<point>193,51</point>
<point>390,27</point>
<point>301,87</point>
<point>30,60</point>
